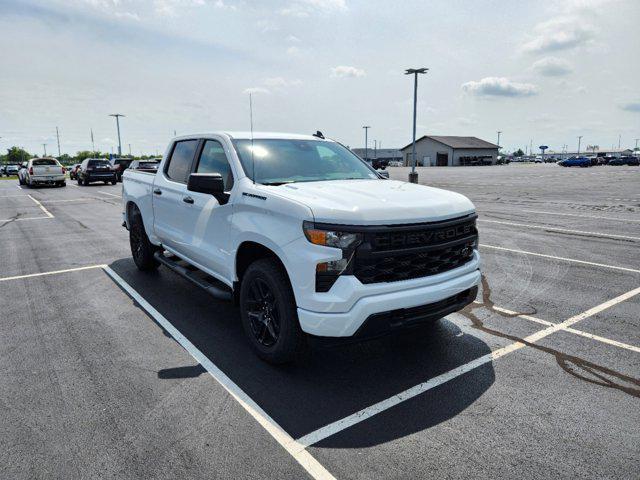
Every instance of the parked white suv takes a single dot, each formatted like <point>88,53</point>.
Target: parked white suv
<point>42,171</point>
<point>304,235</point>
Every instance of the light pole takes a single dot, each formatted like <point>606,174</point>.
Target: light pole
<point>58,137</point>
<point>44,145</point>
<point>619,138</point>
<point>118,115</point>
<point>366,142</point>
<point>636,143</point>
<point>579,140</point>
<point>499,132</point>
<point>93,146</point>
<point>413,176</point>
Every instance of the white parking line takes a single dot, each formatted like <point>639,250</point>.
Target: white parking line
<point>561,230</point>
<point>564,259</point>
<point>23,219</point>
<point>107,193</point>
<point>582,333</point>
<point>342,424</point>
<point>54,272</point>
<point>600,217</point>
<point>47,213</point>
<point>83,199</point>
<point>303,457</point>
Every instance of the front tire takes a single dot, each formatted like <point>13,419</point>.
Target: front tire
<point>142,250</point>
<point>269,313</point>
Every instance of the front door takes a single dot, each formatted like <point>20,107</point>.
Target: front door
<point>208,219</point>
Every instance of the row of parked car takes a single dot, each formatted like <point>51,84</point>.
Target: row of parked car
<point>49,171</point>
<point>593,161</point>
<point>102,170</point>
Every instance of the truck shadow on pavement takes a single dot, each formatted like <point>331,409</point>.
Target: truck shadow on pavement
<point>330,383</point>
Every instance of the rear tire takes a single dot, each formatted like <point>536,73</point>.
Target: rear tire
<point>113,182</point>
<point>142,250</point>
<point>269,313</point>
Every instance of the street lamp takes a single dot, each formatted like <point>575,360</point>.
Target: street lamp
<point>118,115</point>
<point>579,140</point>
<point>413,176</point>
<point>366,142</point>
<point>499,132</point>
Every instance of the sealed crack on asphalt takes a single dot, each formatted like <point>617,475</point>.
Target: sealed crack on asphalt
<point>591,372</point>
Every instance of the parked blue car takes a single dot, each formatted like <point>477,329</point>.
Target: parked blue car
<point>576,162</point>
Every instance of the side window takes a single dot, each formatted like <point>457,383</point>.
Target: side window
<point>180,162</point>
<point>213,160</point>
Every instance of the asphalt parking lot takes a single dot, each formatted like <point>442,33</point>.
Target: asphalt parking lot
<point>110,372</point>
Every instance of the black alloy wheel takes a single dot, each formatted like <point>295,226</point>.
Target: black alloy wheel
<point>264,313</point>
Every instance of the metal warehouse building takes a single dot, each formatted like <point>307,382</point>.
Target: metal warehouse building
<point>443,151</point>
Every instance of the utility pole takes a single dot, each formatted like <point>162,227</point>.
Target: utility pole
<point>375,149</point>
<point>93,147</point>
<point>499,132</point>
<point>531,147</point>
<point>129,149</point>
<point>58,137</point>
<point>636,143</point>
<point>366,142</point>
<point>45,149</point>
<point>579,140</point>
<point>619,138</point>
<point>174,133</point>
<point>413,176</point>
<point>118,115</point>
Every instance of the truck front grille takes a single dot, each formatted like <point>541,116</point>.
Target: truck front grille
<point>395,253</point>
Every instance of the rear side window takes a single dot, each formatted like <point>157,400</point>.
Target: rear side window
<point>180,162</point>
<point>39,163</point>
<point>214,160</point>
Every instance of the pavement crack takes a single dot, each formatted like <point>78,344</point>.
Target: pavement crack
<point>577,367</point>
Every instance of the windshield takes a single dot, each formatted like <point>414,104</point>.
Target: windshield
<point>280,161</point>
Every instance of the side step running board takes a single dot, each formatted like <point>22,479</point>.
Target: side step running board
<point>211,285</point>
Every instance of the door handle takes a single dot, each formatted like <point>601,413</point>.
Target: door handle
<point>187,199</point>
<point>157,191</point>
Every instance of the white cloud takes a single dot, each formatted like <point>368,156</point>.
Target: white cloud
<point>631,106</point>
<point>499,87</point>
<point>293,51</point>
<point>304,8</point>
<point>281,82</point>
<point>347,71</point>
<point>552,67</point>
<point>293,39</point>
<point>560,34</point>
<point>255,90</point>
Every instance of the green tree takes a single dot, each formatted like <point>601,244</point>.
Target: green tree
<point>518,153</point>
<point>16,155</point>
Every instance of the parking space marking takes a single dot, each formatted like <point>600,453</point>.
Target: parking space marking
<point>107,193</point>
<point>368,412</point>
<point>302,456</point>
<point>83,199</point>
<point>564,259</point>
<point>46,212</point>
<point>561,230</point>
<point>23,219</point>
<point>582,333</point>
<point>600,217</point>
<point>54,272</point>
<point>14,196</point>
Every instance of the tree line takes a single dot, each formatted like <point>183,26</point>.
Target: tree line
<point>17,155</point>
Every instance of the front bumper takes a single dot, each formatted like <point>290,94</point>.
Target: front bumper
<point>397,307</point>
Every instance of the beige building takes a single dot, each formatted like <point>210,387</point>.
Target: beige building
<point>443,151</point>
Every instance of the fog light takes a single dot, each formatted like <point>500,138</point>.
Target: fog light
<point>335,266</point>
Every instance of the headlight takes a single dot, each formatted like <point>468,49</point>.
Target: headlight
<point>330,238</point>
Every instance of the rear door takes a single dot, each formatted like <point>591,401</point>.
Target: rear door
<point>169,190</point>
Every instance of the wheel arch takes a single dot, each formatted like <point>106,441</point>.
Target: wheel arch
<point>247,253</point>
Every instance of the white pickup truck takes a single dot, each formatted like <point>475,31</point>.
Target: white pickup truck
<point>42,171</point>
<point>305,236</point>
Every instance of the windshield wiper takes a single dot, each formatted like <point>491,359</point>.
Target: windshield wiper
<point>275,184</point>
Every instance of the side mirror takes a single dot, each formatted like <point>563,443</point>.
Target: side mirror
<point>210,183</point>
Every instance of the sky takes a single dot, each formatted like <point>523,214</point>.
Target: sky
<point>541,72</point>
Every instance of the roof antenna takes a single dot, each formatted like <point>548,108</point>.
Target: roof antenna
<point>253,162</point>
<point>318,134</point>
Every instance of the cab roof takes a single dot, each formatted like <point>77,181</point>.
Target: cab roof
<point>256,136</point>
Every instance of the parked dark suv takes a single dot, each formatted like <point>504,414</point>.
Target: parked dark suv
<point>95,170</point>
<point>119,166</point>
